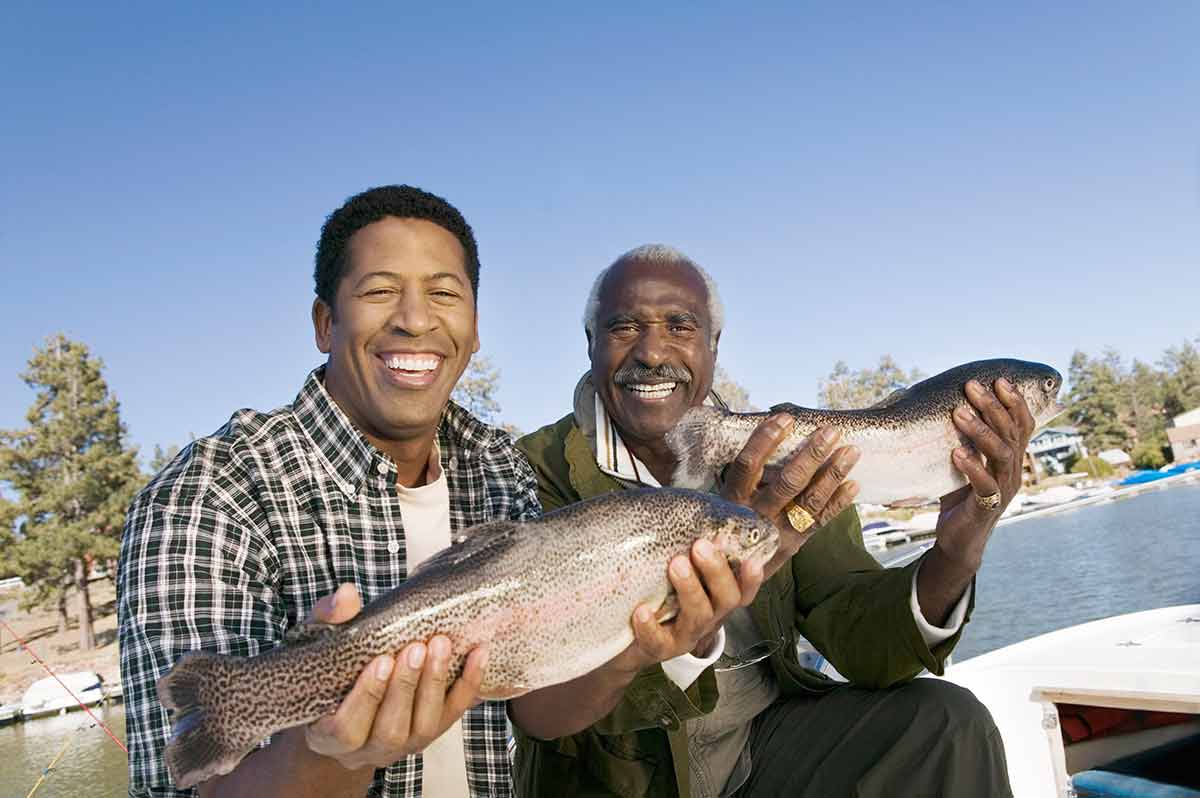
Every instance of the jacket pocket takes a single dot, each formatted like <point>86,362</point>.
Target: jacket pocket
<point>620,764</point>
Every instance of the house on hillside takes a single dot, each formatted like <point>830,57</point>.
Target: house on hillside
<point>1051,447</point>
<point>1184,436</point>
<point>1116,458</point>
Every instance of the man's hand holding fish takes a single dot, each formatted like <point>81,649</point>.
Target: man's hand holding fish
<point>998,424</point>
<point>399,704</point>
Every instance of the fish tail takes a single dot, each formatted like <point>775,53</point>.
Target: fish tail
<point>196,690</point>
<point>693,441</point>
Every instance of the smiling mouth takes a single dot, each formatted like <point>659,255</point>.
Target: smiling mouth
<point>646,391</point>
<point>415,370</point>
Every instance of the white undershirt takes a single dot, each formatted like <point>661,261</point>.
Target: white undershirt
<point>425,511</point>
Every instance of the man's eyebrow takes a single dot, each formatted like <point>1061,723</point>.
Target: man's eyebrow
<point>684,316</point>
<point>620,318</point>
<point>429,278</point>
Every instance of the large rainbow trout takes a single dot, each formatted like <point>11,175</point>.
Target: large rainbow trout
<point>905,440</point>
<point>552,598</point>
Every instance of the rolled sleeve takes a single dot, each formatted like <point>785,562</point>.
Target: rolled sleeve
<point>936,634</point>
<point>686,668</point>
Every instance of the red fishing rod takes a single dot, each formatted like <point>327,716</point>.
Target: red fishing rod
<point>82,705</point>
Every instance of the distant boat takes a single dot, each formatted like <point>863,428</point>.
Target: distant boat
<point>47,696</point>
<point>1142,477</point>
<point>1059,494</point>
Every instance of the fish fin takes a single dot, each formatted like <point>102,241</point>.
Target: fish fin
<point>890,399</point>
<point>787,407</point>
<point>308,632</point>
<point>689,441</point>
<point>198,748</point>
<point>503,693</point>
<point>484,537</point>
<point>909,502</point>
<point>669,608</point>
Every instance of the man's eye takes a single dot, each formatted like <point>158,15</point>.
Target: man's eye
<point>378,292</point>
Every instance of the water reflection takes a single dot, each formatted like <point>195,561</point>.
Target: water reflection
<point>91,765</point>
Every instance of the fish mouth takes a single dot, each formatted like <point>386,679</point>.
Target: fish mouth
<point>760,552</point>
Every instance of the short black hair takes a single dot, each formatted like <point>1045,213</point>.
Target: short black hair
<point>403,202</point>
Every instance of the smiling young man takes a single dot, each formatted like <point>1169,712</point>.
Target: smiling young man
<point>312,509</point>
<point>661,720</point>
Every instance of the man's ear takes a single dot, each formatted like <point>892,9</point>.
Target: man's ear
<point>322,316</point>
<point>475,343</point>
<point>716,343</point>
<point>588,333</point>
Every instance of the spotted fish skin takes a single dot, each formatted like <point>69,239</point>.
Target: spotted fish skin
<point>552,599</point>
<point>905,441</point>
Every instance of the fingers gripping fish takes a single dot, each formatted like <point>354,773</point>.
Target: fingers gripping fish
<point>905,440</point>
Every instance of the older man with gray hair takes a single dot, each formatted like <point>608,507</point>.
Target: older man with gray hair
<point>716,702</point>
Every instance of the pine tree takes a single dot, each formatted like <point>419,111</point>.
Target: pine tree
<point>1097,400</point>
<point>73,475</point>
<point>162,457</point>
<point>1182,388</point>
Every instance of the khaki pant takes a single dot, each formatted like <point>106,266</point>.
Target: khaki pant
<point>924,739</point>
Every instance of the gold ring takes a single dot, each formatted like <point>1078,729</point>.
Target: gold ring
<point>799,518</point>
<point>989,502</point>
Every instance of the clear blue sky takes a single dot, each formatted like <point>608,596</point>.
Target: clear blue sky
<point>942,185</point>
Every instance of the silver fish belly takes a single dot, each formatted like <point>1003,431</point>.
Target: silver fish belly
<point>905,441</point>
<point>551,598</point>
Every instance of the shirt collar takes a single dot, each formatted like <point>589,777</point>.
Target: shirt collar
<point>349,456</point>
<point>613,456</point>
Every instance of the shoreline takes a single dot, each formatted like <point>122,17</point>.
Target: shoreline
<point>887,540</point>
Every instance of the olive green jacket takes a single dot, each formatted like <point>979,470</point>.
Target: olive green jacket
<point>834,593</point>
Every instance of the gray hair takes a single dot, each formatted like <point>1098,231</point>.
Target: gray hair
<point>663,256</point>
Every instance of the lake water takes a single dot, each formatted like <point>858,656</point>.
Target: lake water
<point>91,765</point>
<point>1038,576</point>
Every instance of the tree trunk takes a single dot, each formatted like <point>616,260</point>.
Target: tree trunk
<point>87,634</point>
<point>63,619</point>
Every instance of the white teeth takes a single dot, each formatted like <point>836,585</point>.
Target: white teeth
<point>412,362</point>
<point>657,391</point>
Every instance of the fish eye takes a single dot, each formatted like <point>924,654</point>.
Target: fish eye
<point>1049,383</point>
<point>753,536</point>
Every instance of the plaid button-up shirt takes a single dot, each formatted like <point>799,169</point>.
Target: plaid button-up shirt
<point>246,529</point>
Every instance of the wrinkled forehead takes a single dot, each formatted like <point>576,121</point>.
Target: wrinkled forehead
<point>653,291</point>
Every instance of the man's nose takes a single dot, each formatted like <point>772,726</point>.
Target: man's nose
<point>411,314</point>
<point>651,349</point>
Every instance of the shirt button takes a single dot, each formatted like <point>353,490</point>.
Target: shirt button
<point>393,547</point>
<point>452,463</point>
<point>381,468</point>
<point>664,721</point>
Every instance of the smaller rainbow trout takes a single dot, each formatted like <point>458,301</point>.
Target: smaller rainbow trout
<point>905,440</point>
<point>552,599</point>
